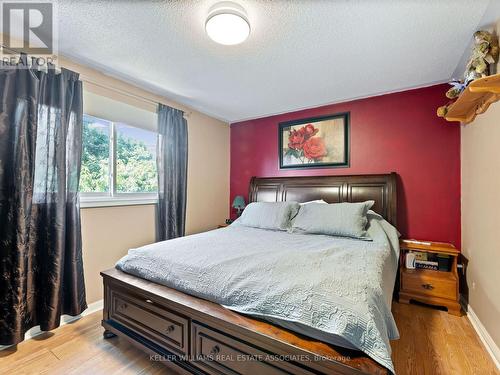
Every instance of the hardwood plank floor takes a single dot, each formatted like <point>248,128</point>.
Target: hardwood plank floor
<point>432,342</point>
<point>435,342</point>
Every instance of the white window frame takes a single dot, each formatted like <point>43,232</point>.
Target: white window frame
<point>114,198</point>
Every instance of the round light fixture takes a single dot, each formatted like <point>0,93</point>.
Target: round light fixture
<point>227,23</point>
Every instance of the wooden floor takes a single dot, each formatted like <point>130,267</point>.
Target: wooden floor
<point>432,342</point>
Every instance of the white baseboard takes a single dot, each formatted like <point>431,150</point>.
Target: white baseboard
<point>93,307</point>
<point>487,340</point>
<point>65,319</point>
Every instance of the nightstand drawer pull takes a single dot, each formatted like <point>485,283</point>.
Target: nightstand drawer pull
<point>149,301</point>
<point>427,286</point>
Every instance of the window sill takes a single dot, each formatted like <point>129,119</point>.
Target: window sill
<point>113,202</point>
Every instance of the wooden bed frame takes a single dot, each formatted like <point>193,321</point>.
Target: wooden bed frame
<point>195,336</point>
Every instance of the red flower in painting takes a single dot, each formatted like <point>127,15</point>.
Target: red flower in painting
<point>314,148</point>
<point>296,139</point>
<point>310,130</point>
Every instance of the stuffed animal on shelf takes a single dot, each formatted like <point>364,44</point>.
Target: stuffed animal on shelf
<point>457,87</point>
<point>443,110</point>
<point>484,53</point>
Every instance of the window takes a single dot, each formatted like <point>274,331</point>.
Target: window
<point>95,173</point>
<point>135,160</point>
<point>118,164</point>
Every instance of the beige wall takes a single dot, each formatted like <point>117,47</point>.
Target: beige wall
<point>480,216</point>
<point>480,153</point>
<point>109,232</point>
<point>208,173</point>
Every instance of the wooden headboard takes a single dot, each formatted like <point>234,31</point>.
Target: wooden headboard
<point>333,189</point>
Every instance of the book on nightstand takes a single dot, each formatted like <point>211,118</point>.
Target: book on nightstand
<point>426,261</point>
<point>426,265</point>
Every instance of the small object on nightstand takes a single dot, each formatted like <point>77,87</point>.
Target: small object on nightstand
<point>410,261</point>
<point>434,279</point>
<point>238,204</point>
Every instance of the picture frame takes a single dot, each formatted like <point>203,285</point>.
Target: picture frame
<point>315,142</point>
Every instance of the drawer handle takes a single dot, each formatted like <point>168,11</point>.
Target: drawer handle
<point>427,286</point>
<point>149,301</point>
<point>170,328</point>
<point>122,306</point>
<point>215,350</point>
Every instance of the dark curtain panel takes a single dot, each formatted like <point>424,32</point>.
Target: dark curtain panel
<point>41,271</point>
<point>171,162</point>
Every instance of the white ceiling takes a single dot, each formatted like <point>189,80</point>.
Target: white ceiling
<point>299,54</point>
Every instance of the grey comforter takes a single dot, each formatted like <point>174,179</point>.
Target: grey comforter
<point>334,289</point>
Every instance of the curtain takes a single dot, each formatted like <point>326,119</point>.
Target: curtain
<point>171,161</point>
<point>41,270</point>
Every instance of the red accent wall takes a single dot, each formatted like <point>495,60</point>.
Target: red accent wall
<point>395,132</point>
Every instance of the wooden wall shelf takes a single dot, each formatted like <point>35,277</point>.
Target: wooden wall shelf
<point>475,99</point>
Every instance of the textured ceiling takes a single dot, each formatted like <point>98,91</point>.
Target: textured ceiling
<point>299,54</point>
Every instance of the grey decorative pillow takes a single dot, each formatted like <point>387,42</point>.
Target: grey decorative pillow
<point>269,215</point>
<point>336,219</point>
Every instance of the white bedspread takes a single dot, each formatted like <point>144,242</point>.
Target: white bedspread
<point>334,289</point>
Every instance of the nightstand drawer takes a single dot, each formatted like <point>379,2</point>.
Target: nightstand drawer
<point>430,283</point>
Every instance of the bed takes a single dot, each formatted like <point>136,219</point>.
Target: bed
<point>242,331</point>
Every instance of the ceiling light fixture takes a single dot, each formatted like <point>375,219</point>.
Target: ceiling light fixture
<point>227,23</point>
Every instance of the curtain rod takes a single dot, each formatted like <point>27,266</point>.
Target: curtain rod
<point>123,92</point>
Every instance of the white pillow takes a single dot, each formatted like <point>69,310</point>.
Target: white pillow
<point>316,201</point>
<point>336,219</point>
<point>269,215</point>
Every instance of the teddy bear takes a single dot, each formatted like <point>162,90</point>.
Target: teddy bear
<point>484,53</point>
<point>443,110</point>
<point>457,87</point>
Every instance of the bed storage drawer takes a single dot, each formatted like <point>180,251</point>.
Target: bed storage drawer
<point>151,320</point>
<point>217,353</point>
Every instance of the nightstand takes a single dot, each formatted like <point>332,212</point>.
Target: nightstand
<point>434,287</point>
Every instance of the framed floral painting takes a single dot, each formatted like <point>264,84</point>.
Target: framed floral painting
<point>319,142</point>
